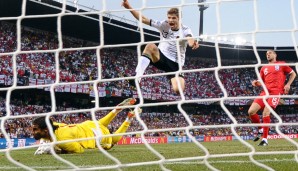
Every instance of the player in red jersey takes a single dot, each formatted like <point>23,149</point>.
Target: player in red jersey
<point>274,77</point>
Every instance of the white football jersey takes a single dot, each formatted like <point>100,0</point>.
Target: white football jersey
<point>169,48</point>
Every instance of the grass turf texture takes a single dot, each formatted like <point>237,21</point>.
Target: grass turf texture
<point>127,154</point>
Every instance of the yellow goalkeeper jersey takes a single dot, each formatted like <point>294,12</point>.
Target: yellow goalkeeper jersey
<point>86,129</point>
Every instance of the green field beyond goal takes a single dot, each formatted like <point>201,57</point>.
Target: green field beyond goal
<point>131,155</point>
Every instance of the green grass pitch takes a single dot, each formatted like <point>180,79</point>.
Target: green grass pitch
<point>128,154</point>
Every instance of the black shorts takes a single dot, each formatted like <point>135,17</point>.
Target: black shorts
<point>166,65</point>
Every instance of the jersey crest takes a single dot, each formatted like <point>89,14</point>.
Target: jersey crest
<point>276,67</point>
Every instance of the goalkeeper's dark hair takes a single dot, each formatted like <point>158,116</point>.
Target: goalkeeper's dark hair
<point>42,124</point>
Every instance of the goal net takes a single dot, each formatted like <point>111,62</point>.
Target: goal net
<point>74,61</point>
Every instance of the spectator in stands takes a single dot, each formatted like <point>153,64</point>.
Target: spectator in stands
<point>117,62</point>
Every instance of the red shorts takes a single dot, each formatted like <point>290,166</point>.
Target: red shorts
<point>272,101</point>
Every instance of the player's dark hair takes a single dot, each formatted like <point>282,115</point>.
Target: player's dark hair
<point>42,124</point>
<point>173,11</point>
<point>272,50</point>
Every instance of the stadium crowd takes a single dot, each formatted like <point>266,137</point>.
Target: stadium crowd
<point>82,65</point>
<point>21,127</point>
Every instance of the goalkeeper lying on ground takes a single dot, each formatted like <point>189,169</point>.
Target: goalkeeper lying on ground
<point>85,129</point>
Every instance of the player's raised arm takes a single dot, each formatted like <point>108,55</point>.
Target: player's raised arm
<point>135,13</point>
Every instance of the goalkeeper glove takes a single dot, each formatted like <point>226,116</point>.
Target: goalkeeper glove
<point>43,149</point>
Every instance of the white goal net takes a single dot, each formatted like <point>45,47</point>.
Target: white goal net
<point>74,61</point>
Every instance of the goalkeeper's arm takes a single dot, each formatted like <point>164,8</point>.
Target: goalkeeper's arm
<point>45,148</point>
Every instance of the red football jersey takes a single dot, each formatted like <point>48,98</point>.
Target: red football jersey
<point>274,76</point>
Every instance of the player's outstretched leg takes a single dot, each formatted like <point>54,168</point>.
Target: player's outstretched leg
<point>132,114</point>
<point>127,102</point>
<point>123,128</point>
<point>106,120</point>
<point>254,117</point>
<point>266,120</point>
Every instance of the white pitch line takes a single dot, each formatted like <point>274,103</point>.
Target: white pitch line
<point>234,161</point>
<point>166,163</point>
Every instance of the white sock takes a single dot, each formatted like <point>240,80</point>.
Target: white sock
<point>129,119</point>
<point>265,139</point>
<point>116,111</point>
<point>142,65</point>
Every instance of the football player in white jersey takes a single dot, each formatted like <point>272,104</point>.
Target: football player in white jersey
<point>165,56</point>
